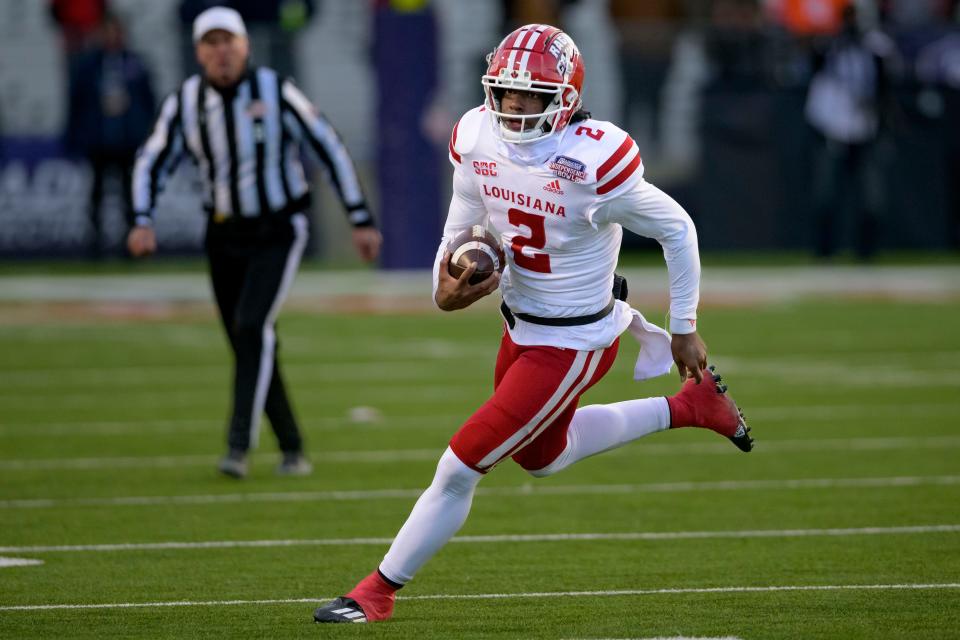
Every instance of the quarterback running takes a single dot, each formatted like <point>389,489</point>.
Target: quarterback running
<point>557,188</point>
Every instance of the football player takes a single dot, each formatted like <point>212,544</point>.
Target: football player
<point>557,187</point>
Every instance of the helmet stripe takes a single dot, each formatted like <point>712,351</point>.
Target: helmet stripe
<point>532,37</point>
<point>523,62</point>
<point>511,59</point>
<point>532,45</point>
<point>520,33</point>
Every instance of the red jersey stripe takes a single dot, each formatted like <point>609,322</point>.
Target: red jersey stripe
<point>621,177</point>
<point>615,158</point>
<point>453,141</point>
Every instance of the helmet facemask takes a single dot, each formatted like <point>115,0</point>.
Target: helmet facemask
<point>561,100</point>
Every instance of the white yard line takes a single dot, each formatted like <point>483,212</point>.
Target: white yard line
<point>175,425</point>
<point>399,393</point>
<point>418,359</point>
<point>417,389</point>
<point>667,638</point>
<point>817,373</point>
<point>18,562</point>
<point>39,381</point>
<point>504,596</point>
<point>805,413</point>
<point>425,455</point>
<point>494,539</point>
<point>518,491</point>
<point>153,462</point>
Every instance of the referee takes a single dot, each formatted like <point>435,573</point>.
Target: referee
<point>243,126</point>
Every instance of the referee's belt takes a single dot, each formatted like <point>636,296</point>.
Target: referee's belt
<point>572,321</point>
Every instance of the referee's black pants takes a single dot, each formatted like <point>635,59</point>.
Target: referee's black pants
<point>252,266</point>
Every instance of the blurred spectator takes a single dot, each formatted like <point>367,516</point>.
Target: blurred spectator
<point>517,13</point>
<point>939,62</point>
<point>847,105</point>
<point>952,169</point>
<point>78,21</point>
<point>915,24</point>
<point>647,31</point>
<point>937,70</point>
<point>271,25</point>
<point>110,113</point>
<point>735,44</point>
<point>808,17</point>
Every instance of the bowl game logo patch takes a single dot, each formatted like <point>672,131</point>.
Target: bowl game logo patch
<point>568,168</point>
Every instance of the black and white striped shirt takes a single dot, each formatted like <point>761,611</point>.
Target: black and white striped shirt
<point>246,143</point>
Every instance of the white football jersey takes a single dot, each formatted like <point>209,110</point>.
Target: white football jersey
<point>558,206</point>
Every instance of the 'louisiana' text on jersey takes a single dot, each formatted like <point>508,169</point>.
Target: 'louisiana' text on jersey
<point>524,200</point>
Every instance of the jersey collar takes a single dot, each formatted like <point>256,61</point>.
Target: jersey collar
<point>531,153</point>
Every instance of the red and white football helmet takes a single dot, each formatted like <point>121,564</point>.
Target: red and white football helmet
<point>541,59</point>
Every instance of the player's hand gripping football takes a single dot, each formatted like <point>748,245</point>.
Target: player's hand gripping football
<point>458,293</point>
<point>690,354</point>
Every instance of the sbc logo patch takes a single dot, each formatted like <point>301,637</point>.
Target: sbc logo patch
<point>485,168</point>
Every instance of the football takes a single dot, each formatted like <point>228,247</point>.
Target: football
<point>475,244</point>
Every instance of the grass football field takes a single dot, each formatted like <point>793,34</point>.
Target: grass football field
<point>843,523</point>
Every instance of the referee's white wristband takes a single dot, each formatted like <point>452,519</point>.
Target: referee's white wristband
<point>143,221</point>
<point>359,216</point>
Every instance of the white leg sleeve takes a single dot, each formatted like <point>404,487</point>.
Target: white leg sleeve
<point>600,427</point>
<point>438,515</point>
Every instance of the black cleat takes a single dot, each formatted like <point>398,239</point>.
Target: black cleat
<point>343,609</point>
<point>742,436</point>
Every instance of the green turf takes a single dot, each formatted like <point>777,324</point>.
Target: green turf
<point>643,254</point>
<point>854,406</point>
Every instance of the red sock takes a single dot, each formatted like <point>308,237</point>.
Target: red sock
<point>375,596</point>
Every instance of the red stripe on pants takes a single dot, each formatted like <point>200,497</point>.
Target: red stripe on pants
<point>525,380</point>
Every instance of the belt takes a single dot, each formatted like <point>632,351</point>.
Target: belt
<point>297,205</point>
<point>574,321</point>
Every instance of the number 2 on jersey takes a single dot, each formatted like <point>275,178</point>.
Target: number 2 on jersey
<point>539,262</point>
<point>596,135</point>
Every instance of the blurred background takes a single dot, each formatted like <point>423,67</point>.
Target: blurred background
<point>818,127</point>
<point>816,143</point>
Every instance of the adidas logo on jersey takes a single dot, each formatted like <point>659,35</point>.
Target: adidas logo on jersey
<point>554,187</point>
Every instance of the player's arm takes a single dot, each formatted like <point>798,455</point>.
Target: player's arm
<point>466,209</point>
<point>305,123</point>
<point>156,160</point>
<point>647,211</point>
